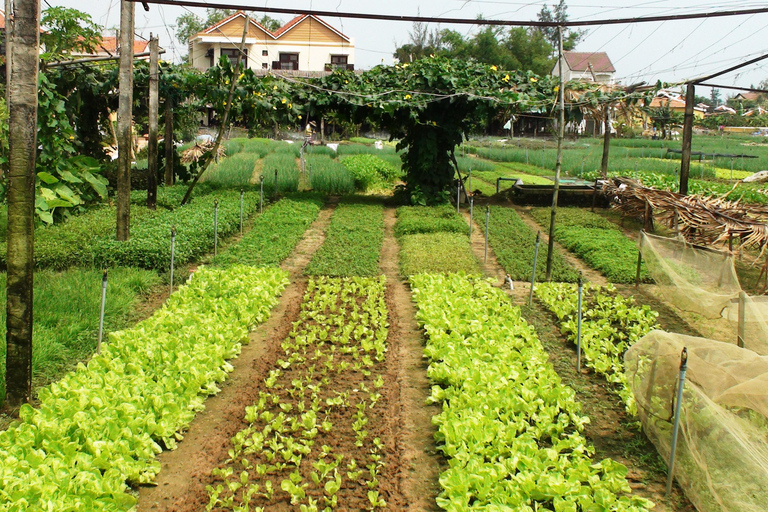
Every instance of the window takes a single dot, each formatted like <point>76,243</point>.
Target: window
<point>289,61</point>
<point>264,65</point>
<point>233,54</point>
<point>265,53</point>
<point>339,60</point>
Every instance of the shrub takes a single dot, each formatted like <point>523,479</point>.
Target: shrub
<point>370,171</point>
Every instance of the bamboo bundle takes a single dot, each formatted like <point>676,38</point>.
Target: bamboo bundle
<point>700,220</point>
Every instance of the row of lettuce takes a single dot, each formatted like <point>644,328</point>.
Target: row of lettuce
<point>512,432</point>
<point>100,427</point>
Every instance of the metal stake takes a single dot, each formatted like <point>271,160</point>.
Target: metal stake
<point>215,227</point>
<point>675,427</point>
<point>241,211</point>
<point>639,258</point>
<point>578,325</point>
<point>535,259</point>
<point>261,194</point>
<point>742,318</point>
<point>487,220</point>
<point>458,194</point>
<point>275,181</point>
<point>101,315</point>
<point>173,254</point>
<point>471,213</point>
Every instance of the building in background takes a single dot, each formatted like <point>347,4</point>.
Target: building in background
<point>587,66</point>
<point>304,44</point>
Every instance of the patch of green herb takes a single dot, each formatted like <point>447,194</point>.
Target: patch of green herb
<point>514,243</point>
<point>274,234</point>
<point>353,242</point>
<point>597,241</point>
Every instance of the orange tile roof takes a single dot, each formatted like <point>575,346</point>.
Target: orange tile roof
<point>580,61</point>
<point>110,45</point>
<point>277,33</point>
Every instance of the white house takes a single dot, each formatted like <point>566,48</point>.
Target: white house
<point>587,66</point>
<point>306,43</point>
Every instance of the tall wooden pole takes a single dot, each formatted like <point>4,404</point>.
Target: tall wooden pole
<point>154,100</point>
<point>124,121</point>
<point>559,162</point>
<point>606,140</point>
<point>24,17</point>
<point>685,159</point>
<point>169,148</point>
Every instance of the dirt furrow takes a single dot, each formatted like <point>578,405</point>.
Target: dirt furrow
<point>420,464</point>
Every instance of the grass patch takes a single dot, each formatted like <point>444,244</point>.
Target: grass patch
<point>280,172</point>
<point>475,164</point>
<point>437,252</point>
<point>329,176</point>
<point>66,306</point>
<point>597,241</point>
<point>353,242</point>
<point>274,234</point>
<point>514,243</point>
<point>429,219</point>
<point>233,171</point>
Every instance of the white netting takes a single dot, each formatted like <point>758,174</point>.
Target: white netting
<point>722,453</point>
<point>704,282</point>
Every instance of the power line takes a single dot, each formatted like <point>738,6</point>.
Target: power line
<point>461,21</point>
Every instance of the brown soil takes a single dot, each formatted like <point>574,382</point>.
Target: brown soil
<point>186,471</point>
<point>611,431</point>
<point>420,464</point>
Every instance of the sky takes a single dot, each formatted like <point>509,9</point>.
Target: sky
<point>671,51</point>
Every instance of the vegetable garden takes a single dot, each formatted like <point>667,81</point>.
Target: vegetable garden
<point>293,256</point>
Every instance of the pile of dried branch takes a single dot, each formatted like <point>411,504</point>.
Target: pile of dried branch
<point>701,220</point>
<point>196,152</point>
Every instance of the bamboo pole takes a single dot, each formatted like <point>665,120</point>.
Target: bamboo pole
<point>558,164</point>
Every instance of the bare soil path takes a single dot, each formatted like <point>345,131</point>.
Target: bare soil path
<point>186,471</point>
<point>420,464</point>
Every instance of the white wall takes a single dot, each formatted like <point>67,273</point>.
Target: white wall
<point>312,57</point>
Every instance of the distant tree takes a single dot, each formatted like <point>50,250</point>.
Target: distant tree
<point>715,97</point>
<point>514,49</point>
<point>559,14</point>
<point>422,43</point>
<point>189,24</point>
<point>270,23</point>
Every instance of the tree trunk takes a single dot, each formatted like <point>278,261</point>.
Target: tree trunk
<point>153,113</point>
<point>606,141</point>
<point>22,109</point>
<point>169,148</point>
<point>124,114</point>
